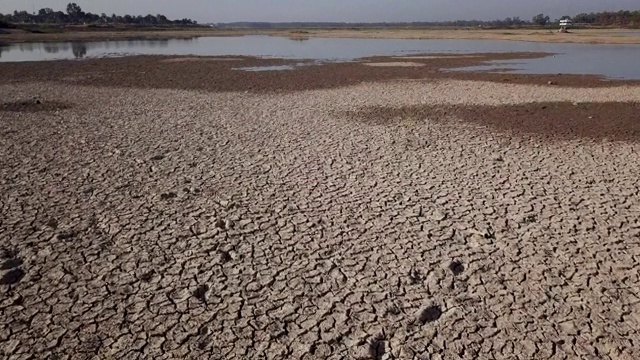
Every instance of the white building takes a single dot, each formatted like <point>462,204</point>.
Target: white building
<point>565,23</point>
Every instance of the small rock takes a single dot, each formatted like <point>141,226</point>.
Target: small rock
<point>229,224</point>
<point>551,83</point>
<point>224,203</point>
<point>498,158</point>
<point>220,224</point>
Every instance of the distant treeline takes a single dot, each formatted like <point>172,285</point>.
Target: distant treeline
<point>75,15</point>
<point>608,18</point>
<point>309,25</point>
<point>619,18</point>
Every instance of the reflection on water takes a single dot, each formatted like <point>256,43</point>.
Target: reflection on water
<point>614,61</point>
<point>79,49</point>
<point>299,38</point>
<point>54,48</point>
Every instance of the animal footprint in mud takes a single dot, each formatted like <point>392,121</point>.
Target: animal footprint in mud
<point>430,314</point>
<point>12,277</point>
<point>168,196</point>
<point>201,293</point>
<point>456,267</point>
<point>377,347</point>
<point>415,276</point>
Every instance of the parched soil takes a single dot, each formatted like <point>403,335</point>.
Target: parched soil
<point>610,121</point>
<point>33,105</point>
<point>169,211</point>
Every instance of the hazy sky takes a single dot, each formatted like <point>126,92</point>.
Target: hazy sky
<point>332,10</point>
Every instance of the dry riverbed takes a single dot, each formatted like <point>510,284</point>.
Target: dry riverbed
<point>152,207</point>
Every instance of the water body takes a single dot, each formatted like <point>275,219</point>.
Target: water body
<point>612,61</point>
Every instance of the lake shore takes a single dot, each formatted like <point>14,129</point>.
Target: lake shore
<point>226,74</point>
<point>591,36</point>
<point>176,207</point>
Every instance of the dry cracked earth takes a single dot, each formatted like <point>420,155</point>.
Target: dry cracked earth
<point>357,222</point>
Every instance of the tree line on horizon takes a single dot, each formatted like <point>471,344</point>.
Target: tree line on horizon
<point>623,18</point>
<point>75,15</point>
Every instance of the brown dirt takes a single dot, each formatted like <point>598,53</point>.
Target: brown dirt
<point>169,72</point>
<point>33,105</point>
<point>612,121</point>
<point>591,36</point>
<point>155,223</point>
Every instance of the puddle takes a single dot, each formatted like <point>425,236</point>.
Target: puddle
<point>394,64</point>
<point>267,68</point>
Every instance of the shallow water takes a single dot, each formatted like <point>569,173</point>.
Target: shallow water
<point>613,61</point>
<point>267,68</point>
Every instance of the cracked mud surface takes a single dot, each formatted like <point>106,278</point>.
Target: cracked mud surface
<point>175,224</point>
<point>614,121</point>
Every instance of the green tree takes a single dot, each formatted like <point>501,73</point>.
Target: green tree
<point>74,11</point>
<point>540,19</point>
<point>4,23</point>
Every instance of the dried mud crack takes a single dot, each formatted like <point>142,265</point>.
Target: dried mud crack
<point>612,121</point>
<point>369,219</point>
